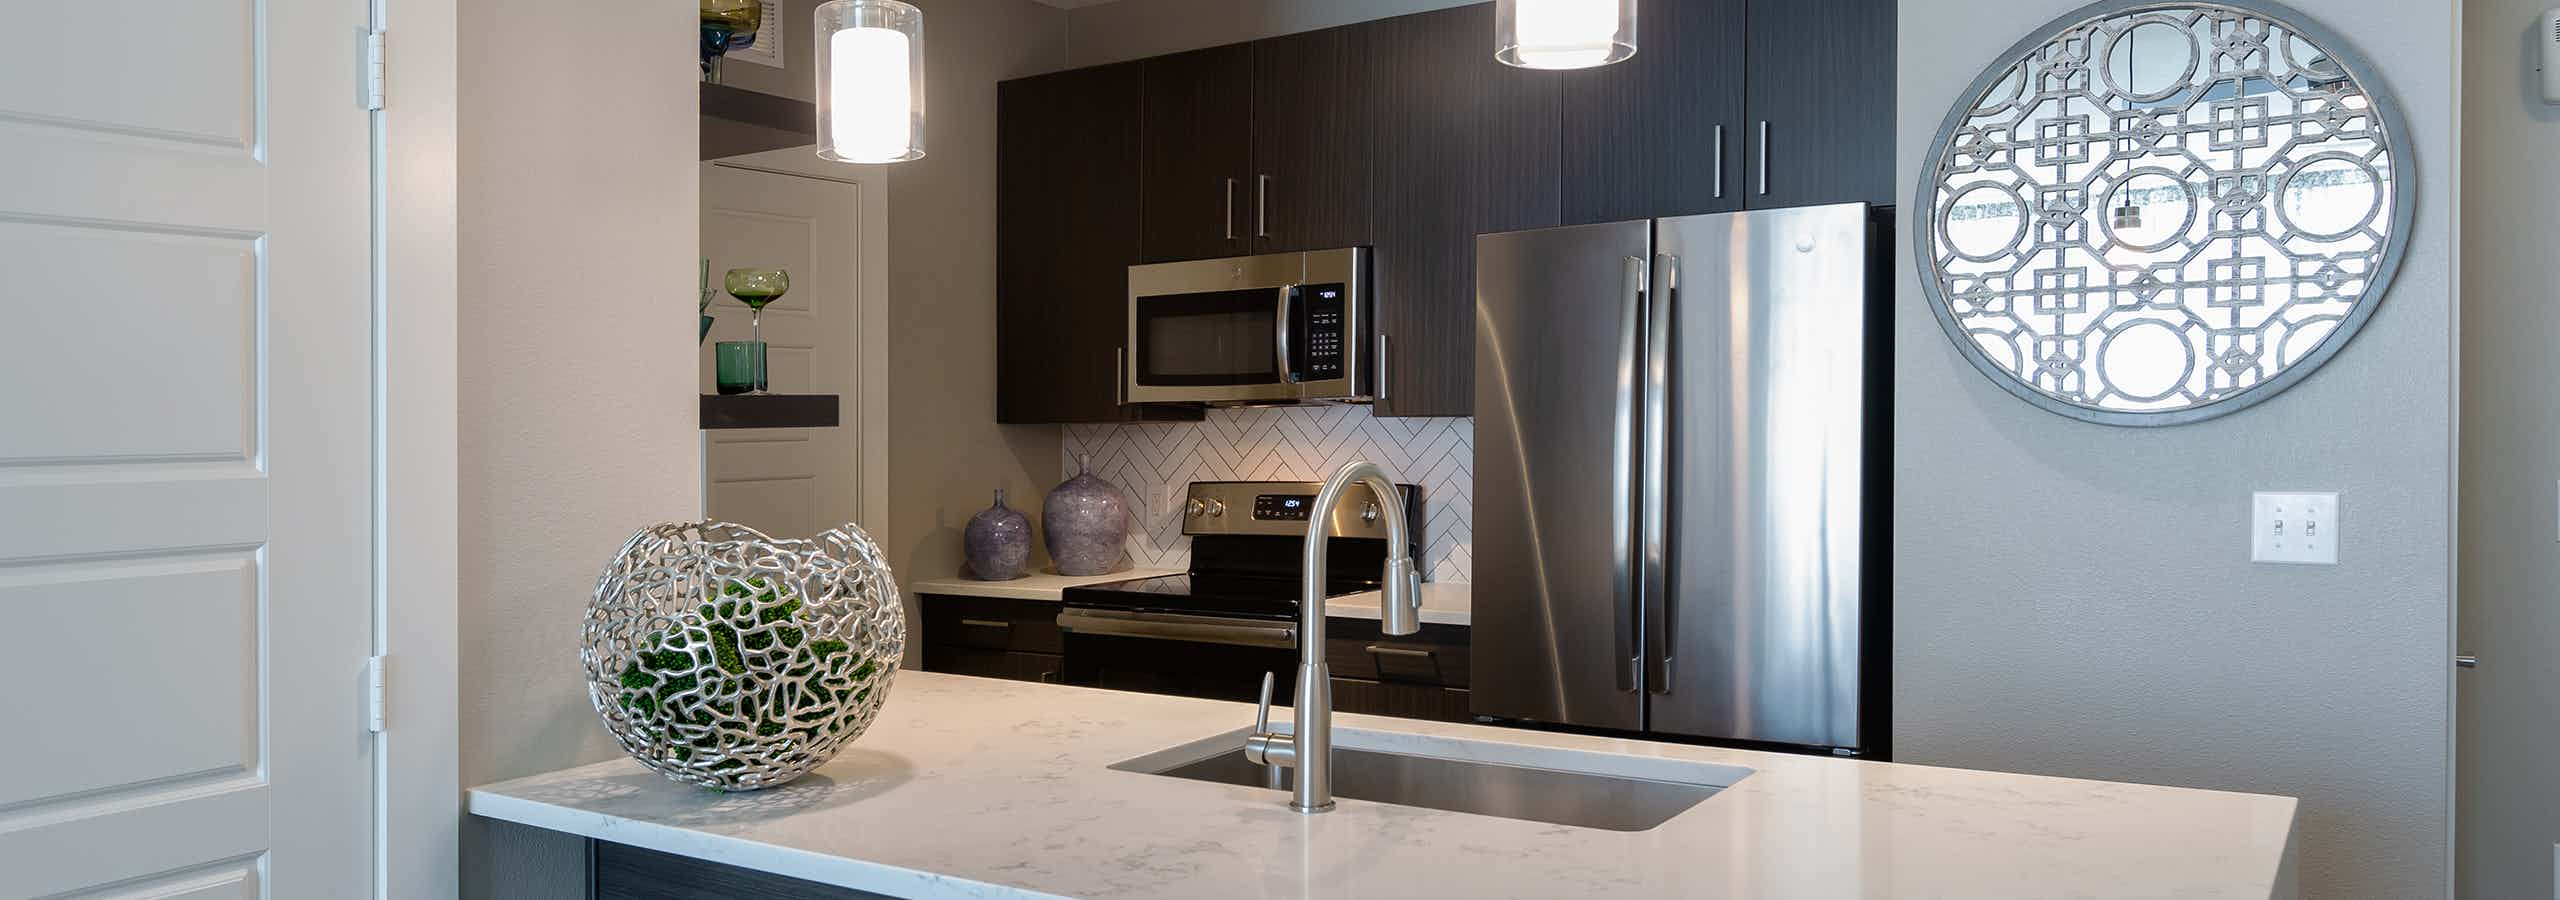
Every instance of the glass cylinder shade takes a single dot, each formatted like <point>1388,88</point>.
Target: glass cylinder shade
<point>870,81</point>
<point>1564,34</point>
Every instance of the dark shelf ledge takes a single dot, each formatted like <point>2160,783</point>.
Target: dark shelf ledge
<point>769,411</point>
<point>737,121</point>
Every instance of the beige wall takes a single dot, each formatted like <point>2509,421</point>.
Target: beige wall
<point>577,244</point>
<point>946,454</point>
<point>2077,600</point>
<point>2509,800</point>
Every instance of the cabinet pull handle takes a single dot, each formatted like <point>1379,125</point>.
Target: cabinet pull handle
<point>1261,202</point>
<point>1230,220</point>
<point>1407,653</point>
<point>1380,395</point>
<point>987,623</point>
<point>1764,157</point>
<point>1719,162</point>
<point>1120,376</point>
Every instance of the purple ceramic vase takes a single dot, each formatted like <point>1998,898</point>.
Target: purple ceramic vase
<point>1085,522</point>
<point>999,542</point>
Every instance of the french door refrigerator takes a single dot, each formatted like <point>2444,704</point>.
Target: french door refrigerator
<point>1681,427</point>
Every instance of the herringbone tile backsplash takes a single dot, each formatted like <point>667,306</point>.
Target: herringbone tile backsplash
<point>1151,462</point>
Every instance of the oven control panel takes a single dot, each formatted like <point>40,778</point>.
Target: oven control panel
<point>1284,508</point>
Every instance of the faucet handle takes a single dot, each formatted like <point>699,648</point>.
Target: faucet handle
<point>1262,711</point>
<point>1263,747</point>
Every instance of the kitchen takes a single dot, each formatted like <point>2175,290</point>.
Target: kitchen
<point>1744,448</point>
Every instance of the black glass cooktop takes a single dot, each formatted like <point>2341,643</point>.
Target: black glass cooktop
<point>1243,596</point>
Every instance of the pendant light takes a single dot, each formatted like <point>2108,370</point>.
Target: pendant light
<point>1564,34</point>
<point>870,81</point>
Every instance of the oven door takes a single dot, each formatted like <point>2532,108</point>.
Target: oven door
<point>1279,328</point>
<point>1190,656</point>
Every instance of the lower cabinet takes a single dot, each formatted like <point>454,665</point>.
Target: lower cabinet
<point>993,637</point>
<point>1409,701</point>
<point>624,872</point>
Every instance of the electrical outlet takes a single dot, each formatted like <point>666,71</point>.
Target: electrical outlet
<point>2294,529</point>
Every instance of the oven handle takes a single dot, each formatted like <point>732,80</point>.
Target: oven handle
<point>1170,627</point>
<point>1281,319</point>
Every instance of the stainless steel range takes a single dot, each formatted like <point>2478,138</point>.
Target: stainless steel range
<point>1215,629</point>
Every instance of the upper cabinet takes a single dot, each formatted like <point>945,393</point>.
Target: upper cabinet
<point>1313,107</point>
<point>1067,220</point>
<point>1258,148</point>
<point>1197,154</point>
<point>1463,145</point>
<point>1660,133</point>
<point>1820,101</point>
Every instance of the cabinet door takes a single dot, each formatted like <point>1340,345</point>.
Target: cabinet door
<point>1311,140</point>
<point>1196,154</point>
<point>1820,101</point>
<point>1660,134</point>
<point>1464,145</point>
<point>1067,230</point>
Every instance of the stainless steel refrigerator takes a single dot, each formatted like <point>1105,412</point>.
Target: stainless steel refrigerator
<point>1679,502</point>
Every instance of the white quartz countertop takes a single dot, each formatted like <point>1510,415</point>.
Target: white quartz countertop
<point>1444,603</point>
<point>970,787</point>
<point>1034,586</point>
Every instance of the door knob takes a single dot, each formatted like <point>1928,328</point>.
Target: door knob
<point>2466,661</point>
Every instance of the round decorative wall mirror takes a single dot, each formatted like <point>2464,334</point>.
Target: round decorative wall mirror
<point>2150,213</point>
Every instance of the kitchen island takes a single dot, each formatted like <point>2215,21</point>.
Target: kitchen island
<point>972,787</point>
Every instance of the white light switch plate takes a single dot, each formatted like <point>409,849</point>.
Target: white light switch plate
<point>2295,529</point>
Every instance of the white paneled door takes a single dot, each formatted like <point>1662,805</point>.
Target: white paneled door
<point>789,482</point>
<point>185,453</point>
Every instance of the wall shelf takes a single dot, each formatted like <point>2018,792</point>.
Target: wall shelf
<point>737,121</point>
<point>768,411</point>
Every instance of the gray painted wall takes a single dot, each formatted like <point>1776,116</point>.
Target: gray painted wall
<point>577,241</point>
<point>2077,600</point>
<point>2509,800</point>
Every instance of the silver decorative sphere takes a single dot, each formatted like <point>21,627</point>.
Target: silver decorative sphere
<point>721,657</point>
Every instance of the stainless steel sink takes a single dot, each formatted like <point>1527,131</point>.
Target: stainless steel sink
<point>1626,793</point>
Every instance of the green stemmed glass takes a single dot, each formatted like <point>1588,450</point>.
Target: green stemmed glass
<point>755,288</point>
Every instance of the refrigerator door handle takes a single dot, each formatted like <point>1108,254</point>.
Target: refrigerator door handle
<point>1622,477</point>
<point>1656,544</point>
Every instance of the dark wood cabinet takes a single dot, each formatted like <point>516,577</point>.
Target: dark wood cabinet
<point>1660,134</point>
<point>1067,229</point>
<point>992,637</point>
<point>1312,139</point>
<point>1820,101</point>
<point>625,872</point>
<point>1196,154</point>
<point>1464,145</point>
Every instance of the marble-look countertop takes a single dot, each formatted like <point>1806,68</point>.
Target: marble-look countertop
<point>1443,603</point>
<point>970,787</point>
<point>1034,586</point>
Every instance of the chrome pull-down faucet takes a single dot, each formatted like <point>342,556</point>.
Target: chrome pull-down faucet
<point>1308,745</point>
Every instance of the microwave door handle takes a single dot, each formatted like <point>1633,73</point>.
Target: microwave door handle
<point>1283,316</point>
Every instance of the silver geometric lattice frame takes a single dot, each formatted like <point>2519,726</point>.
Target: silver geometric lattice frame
<point>2064,185</point>
<point>723,657</point>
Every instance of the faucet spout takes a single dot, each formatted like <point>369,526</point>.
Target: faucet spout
<point>1308,747</point>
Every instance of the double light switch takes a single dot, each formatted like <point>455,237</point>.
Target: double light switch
<point>2294,529</point>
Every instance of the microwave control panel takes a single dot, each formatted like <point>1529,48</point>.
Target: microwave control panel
<point>1324,339</point>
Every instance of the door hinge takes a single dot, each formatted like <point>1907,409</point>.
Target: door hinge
<point>373,694</point>
<point>373,70</point>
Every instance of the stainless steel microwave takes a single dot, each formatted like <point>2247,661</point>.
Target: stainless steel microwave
<point>1276,328</point>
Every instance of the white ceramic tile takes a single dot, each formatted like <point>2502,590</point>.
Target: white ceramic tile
<point>1294,443</point>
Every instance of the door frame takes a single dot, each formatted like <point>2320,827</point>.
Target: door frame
<point>418,800</point>
<point>870,423</point>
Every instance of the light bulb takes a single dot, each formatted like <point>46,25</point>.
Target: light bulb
<point>1564,34</point>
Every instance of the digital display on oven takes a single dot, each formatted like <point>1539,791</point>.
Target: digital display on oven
<point>1282,507</point>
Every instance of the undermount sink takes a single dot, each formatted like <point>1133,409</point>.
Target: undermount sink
<point>1536,784</point>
